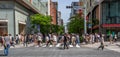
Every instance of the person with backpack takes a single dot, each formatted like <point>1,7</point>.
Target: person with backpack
<point>17,39</point>
<point>12,40</point>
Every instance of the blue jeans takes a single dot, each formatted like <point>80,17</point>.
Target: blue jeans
<point>6,49</point>
<point>78,41</point>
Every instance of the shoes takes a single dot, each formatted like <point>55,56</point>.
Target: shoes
<point>77,46</point>
<point>70,45</point>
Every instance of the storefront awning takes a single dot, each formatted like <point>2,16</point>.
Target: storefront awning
<point>95,27</point>
<point>110,25</point>
<point>3,20</point>
<point>21,22</point>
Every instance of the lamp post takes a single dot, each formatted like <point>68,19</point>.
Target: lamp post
<point>85,26</point>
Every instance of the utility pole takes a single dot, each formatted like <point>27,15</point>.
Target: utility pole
<point>85,25</point>
<point>49,1</point>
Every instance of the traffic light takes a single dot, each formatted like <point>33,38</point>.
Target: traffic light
<point>69,7</point>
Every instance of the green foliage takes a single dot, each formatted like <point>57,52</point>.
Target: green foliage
<point>45,24</point>
<point>43,21</point>
<point>57,29</point>
<point>45,29</point>
<point>81,39</point>
<point>95,22</point>
<point>40,19</point>
<point>76,24</point>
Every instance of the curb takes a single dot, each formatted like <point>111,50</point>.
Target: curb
<point>18,46</point>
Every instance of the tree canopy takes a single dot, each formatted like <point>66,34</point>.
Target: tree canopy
<point>76,24</point>
<point>42,21</point>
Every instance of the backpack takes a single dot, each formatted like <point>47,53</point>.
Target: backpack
<point>12,39</point>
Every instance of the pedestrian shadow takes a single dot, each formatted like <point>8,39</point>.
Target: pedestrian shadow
<point>2,55</point>
<point>118,45</point>
<point>60,48</point>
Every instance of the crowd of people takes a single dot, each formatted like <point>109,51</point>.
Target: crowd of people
<point>40,40</point>
<point>53,40</point>
<point>97,37</point>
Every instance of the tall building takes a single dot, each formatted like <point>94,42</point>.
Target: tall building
<point>75,8</point>
<point>59,20</point>
<point>92,11</point>
<point>53,12</point>
<point>15,15</point>
<point>107,12</point>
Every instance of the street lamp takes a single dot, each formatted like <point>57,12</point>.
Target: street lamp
<point>85,26</point>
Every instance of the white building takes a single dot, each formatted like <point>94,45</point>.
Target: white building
<point>15,15</point>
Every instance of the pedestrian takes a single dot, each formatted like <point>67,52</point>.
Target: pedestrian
<point>65,41</point>
<point>73,40</point>
<point>93,38</point>
<point>6,44</point>
<point>54,39</point>
<point>12,40</point>
<point>77,40</point>
<point>47,39</point>
<point>17,39</point>
<point>39,40</point>
<point>26,39</point>
<point>115,38</point>
<point>101,46</point>
<point>111,39</point>
<point>1,41</point>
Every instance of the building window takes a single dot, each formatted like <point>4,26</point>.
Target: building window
<point>110,12</point>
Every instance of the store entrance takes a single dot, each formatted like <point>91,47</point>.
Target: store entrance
<point>21,28</point>
<point>3,28</point>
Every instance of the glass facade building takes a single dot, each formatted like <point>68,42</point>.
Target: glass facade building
<point>111,12</point>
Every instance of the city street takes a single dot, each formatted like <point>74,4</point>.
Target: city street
<point>40,28</point>
<point>56,52</point>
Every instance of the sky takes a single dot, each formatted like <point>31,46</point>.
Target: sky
<point>65,13</point>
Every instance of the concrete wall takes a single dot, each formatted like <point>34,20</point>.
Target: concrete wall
<point>7,12</point>
<point>22,17</point>
<point>19,19</point>
<point>9,15</point>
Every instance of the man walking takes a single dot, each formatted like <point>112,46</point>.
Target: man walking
<point>65,41</point>
<point>6,44</point>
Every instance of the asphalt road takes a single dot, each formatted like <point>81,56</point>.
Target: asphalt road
<point>57,52</point>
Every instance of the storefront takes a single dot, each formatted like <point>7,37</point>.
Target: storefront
<point>3,27</point>
<point>13,18</point>
<point>110,17</point>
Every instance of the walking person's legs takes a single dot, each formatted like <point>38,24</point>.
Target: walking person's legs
<point>64,45</point>
<point>6,49</point>
<point>102,47</point>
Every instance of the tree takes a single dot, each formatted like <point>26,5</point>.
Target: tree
<point>42,21</point>
<point>76,24</point>
<point>57,29</point>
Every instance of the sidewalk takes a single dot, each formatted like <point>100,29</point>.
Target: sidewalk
<point>18,46</point>
<point>114,46</point>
